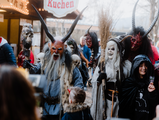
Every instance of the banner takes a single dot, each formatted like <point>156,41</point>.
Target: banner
<point>18,5</point>
<point>24,21</point>
<point>60,8</point>
<point>1,18</point>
